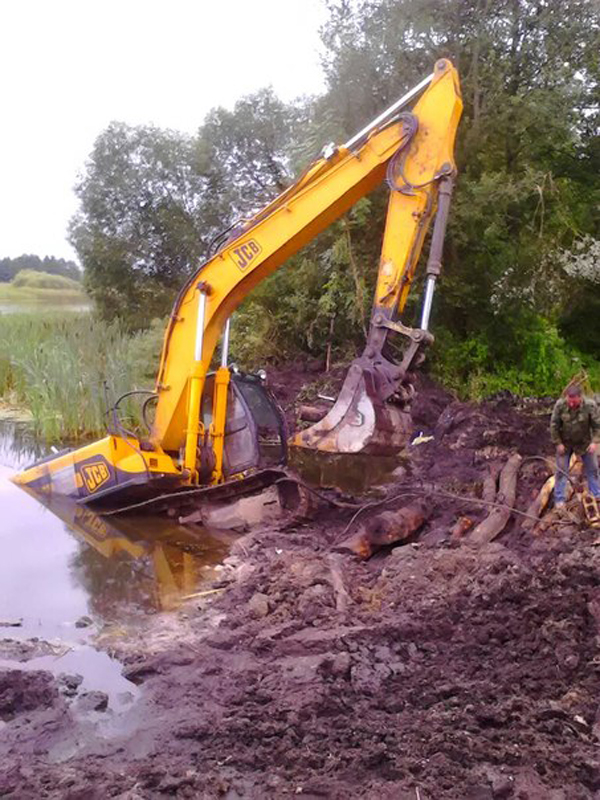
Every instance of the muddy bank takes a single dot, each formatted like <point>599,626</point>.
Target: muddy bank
<point>433,670</point>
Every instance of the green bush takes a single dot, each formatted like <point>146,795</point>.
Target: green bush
<point>530,361</point>
<point>32,279</point>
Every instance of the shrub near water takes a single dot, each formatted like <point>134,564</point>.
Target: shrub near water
<point>56,367</point>
<point>32,279</point>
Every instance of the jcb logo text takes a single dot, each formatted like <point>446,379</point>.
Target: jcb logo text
<point>95,475</point>
<point>245,253</point>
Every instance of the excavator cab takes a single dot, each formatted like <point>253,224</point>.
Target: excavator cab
<point>255,435</point>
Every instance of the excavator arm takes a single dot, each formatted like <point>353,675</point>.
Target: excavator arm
<point>413,151</point>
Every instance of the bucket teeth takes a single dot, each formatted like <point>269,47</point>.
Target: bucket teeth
<point>360,421</point>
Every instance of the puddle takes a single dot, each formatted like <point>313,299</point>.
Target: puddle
<point>100,672</point>
<point>355,474</point>
<point>61,563</point>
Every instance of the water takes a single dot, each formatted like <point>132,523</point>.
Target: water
<point>35,305</point>
<point>62,563</point>
<point>354,473</point>
<point>74,562</point>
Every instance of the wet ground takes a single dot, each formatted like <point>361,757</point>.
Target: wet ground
<point>433,671</point>
<point>66,581</point>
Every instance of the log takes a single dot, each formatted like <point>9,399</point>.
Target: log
<point>342,598</point>
<point>538,506</point>
<point>384,529</point>
<point>311,413</point>
<point>460,528</point>
<point>495,523</point>
<point>490,484</point>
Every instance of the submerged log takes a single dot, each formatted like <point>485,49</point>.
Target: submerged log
<point>495,523</point>
<point>384,529</point>
<point>241,514</point>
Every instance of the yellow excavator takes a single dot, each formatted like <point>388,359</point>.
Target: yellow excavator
<point>222,431</point>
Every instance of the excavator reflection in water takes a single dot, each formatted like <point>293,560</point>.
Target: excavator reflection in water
<point>139,563</point>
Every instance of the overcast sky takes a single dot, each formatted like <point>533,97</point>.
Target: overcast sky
<point>69,67</point>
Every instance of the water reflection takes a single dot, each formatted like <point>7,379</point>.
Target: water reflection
<point>139,563</point>
<point>18,446</point>
<point>61,560</point>
<point>354,473</point>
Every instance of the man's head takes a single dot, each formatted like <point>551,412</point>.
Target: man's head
<point>574,395</point>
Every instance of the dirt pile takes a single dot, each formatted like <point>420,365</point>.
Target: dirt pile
<point>434,670</point>
<point>25,691</point>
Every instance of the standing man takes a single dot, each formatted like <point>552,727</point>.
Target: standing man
<point>575,428</point>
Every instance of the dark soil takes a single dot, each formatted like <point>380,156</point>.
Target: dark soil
<point>25,691</point>
<point>438,671</point>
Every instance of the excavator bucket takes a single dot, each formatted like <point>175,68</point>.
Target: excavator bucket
<point>361,421</point>
<point>372,412</point>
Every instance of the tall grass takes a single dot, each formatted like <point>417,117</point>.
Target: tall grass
<point>57,365</point>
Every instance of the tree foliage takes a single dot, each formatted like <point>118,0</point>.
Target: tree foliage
<point>139,231</point>
<point>9,267</point>
<point>519,289</point>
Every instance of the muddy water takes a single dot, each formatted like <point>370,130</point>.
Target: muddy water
<point>60,565</point>
<point>355,474</point>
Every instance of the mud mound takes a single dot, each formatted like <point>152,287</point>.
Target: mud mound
<point>22,691</point>
<point>434,670</point>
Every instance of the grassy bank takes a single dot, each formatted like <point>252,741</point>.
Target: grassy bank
<point>30,286</point>
<point>56,367</point>
<point>19,294</point>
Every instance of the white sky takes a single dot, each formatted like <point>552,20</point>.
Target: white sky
<point>70,67</point>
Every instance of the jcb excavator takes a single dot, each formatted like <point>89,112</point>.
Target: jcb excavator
<point>222,431</point>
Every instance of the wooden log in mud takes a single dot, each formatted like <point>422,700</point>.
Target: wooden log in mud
<point>495,523</point>
<point>311,413</point>
<point>490,484</point>
<point>460,528</point>
<point>342,598</point>
<point>539,504</point>
<point>383,529</point>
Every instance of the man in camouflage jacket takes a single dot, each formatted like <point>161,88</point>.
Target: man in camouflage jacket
<point>575,428</point>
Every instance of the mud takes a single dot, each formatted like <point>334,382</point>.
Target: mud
<point>433,671</point>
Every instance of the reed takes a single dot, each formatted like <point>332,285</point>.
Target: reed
<point>57,367</point>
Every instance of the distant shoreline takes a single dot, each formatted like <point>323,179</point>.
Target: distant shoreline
<point>14,300</point>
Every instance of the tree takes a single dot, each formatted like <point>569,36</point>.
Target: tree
<point>527,148</point>
<point>247,151</point>
<point>139,231</point>
<point>153,201</point>
<point>9,267</point>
